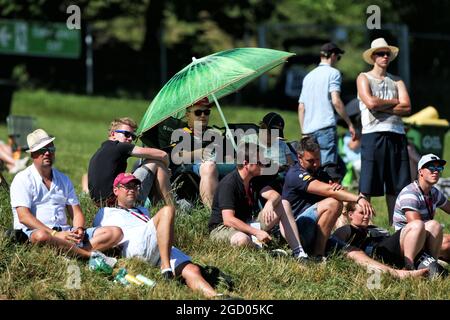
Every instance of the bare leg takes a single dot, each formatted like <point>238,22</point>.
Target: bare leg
<point>209,179</point>
<point>434,237</point>
<point>328,211</point>
<point>105,238</point>
<point>194,280</point>
<point>42,237</point>
<point>6,156</point>
<point>162,180</point>
<point>164,221</point>
<point>362,259</point>
<point>445,248</point>
<point>412,240</point>
<point>84,183</point>
<point>241,239</point>
<point>288,226</point>
<point>390,202</point>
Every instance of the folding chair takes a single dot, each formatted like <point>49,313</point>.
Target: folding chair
<point>18,129</point>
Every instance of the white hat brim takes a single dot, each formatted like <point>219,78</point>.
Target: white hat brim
<point>367,55</point>
<point>40,145</point>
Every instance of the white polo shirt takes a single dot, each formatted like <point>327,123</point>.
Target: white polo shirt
<point>48,206</point>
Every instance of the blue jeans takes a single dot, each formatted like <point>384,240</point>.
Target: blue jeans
<point>327,140</point>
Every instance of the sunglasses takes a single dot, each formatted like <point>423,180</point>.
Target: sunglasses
<point>46,149</point>
<point>199,112</point>
<point>130,186</point>
<point>435,168</point>
<point>382,53</point>
<point>127,134</point>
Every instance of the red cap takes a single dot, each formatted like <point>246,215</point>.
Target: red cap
<point>124,178</point>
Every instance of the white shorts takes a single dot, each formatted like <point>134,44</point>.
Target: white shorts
<point>146,247</point>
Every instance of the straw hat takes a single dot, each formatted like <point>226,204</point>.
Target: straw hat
<point>379,44</point>
<point>38,139</point>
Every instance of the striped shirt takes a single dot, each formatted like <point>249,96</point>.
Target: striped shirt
<point>376,121</point>
<point>411,198</point>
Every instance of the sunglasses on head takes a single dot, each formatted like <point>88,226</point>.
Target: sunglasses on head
<point>382,53</point>
<point>199,112</point>
<point>435,168</point>
<point>126,133</point>
<point>46,149</point>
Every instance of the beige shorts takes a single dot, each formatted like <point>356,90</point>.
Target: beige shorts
<point>224,233</point>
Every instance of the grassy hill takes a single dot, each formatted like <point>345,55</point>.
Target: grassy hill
<point>80,124</point>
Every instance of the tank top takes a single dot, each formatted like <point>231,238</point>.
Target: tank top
<point>375,121</point>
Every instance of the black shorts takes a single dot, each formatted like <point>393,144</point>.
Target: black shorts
<point>389,251</point>
<point>384,164</point>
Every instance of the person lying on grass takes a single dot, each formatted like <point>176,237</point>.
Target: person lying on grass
<point>40,196</point>
<point>404,249</point>
<point>150,238</point>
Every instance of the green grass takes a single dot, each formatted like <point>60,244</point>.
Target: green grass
<point>80,125</point>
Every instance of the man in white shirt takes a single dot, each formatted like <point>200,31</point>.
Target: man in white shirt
<point>40,196</point>
<point>148,238</point>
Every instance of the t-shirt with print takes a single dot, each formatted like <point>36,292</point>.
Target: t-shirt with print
<point>295,188</point>
<point>411,198</point>
<point>107,162</point>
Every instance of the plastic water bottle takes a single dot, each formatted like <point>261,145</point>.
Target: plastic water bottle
<point>120,277</point>
<point>98,264</point>
<point>149,282</point>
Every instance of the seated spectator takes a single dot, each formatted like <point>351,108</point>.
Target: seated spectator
<point>417,204</point>
<point>234,205</point>
<point>402,249</point>
<point>316,202</point>
<point>111,159</point>
<point>40,195</point>
<point>195,152</point>
<point>149,238</point>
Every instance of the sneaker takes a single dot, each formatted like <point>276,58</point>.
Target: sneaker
<point>110,261</point>
<point>19,165</point>
<point>167,274</point>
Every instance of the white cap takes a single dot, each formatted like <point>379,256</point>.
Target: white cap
<point>429,158</point>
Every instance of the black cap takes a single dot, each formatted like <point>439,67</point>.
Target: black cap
<point>331,47</point>
<point>274,121</point>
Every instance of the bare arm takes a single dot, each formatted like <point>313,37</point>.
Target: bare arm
<point>77,215</point>
<point>446,207</point>
<point>403,108</point>
<point>372,102</point>
<point>301,115</point>
<point>412,215</point>
<point>329,190</point>
<point>150,153</point>
<point>27,218</point>
<point>340,109</point>
<point>230,220</point>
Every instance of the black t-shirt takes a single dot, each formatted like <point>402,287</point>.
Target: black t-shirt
<point>107,162</point>
<point>295,188</point>
<point>230,194</point>
<point>367,237</point>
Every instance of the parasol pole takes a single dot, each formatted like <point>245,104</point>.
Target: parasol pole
<point>227,129</point>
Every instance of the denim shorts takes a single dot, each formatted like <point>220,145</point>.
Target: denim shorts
<point>88,235</point>
<point>307,225</point>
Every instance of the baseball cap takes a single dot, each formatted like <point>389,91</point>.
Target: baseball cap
<point>331,47</point>
<point>274,121</point>
<point>429,158</point>
<point>124,178</point>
